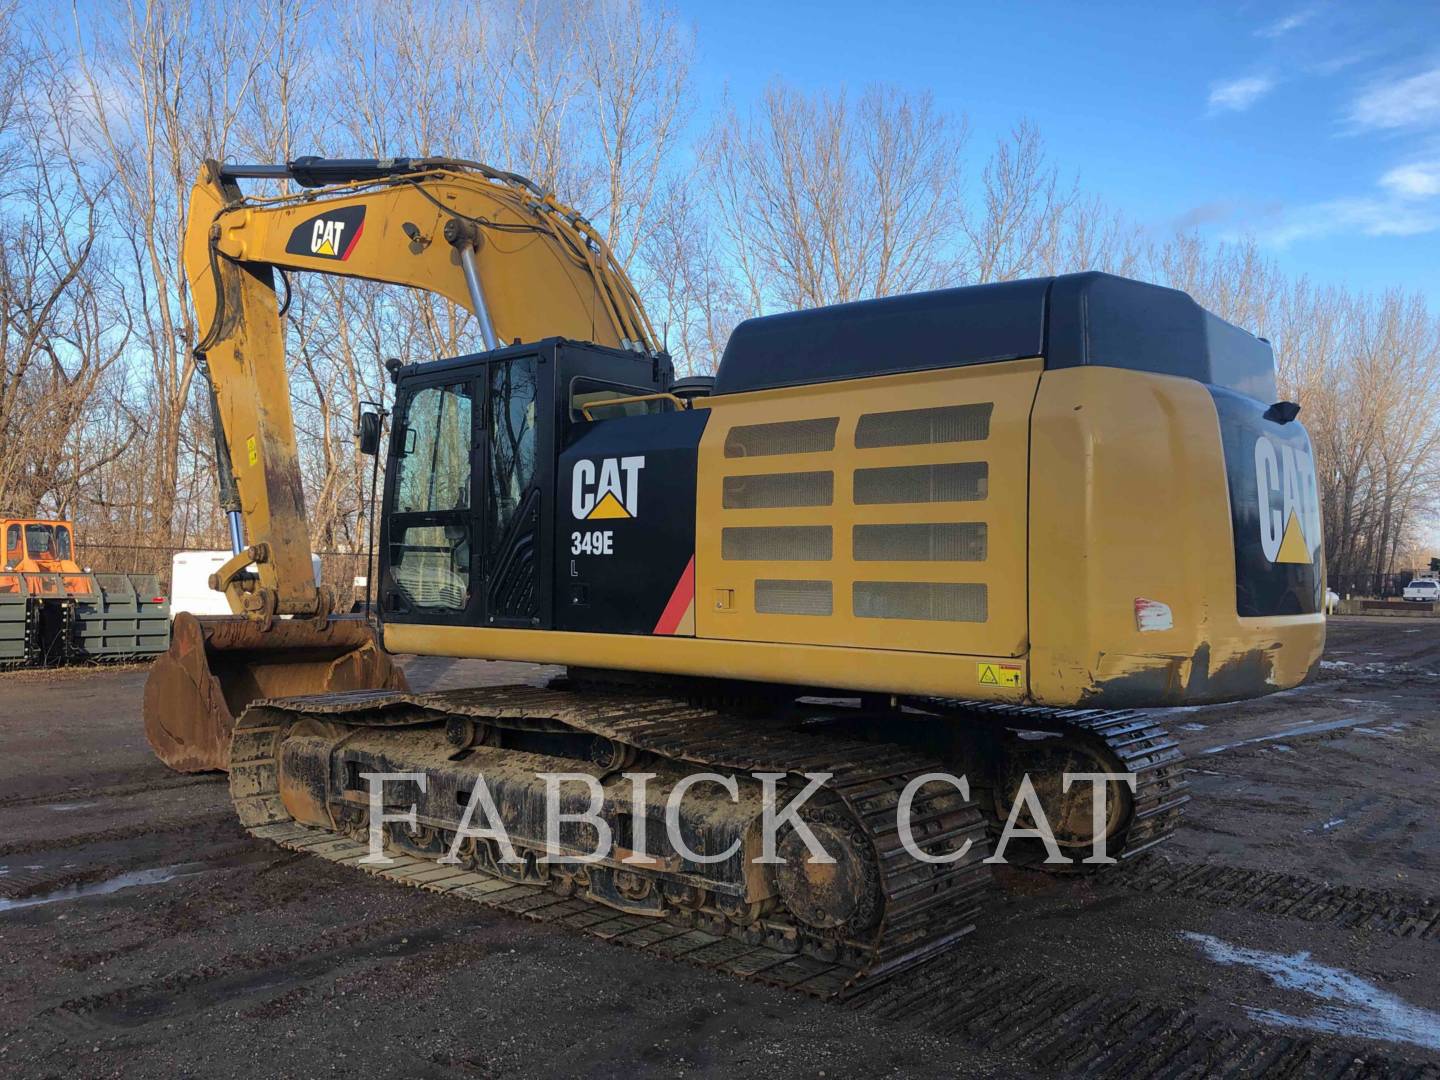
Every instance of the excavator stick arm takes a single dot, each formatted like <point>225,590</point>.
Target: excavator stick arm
<point>491,242</point>
<point>526,265</point>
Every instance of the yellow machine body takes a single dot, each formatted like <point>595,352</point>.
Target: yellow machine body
<point>1096,568</point>
<point>1034,492</point>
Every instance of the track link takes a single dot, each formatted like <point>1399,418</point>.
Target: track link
<point>926,909</point>
<point>1129,739</point>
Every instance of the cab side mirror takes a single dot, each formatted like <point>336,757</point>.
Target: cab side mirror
<point>370,433</point>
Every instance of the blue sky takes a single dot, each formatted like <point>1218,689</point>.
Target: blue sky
<point>1314,127</point>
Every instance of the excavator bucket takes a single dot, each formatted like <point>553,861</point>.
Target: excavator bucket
<point>217,666</point>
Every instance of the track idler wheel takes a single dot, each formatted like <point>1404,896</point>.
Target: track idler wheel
<point>1070,814</point>
<point>841,898</point>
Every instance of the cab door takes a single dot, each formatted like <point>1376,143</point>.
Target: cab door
<point>517,474</point>
<point>464,536</point>
<point>428,543</point>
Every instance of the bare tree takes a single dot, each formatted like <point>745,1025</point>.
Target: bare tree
<point>819,201</point>
<point>1017,225</point>
<point>636,69</point>
<point>687,279</point>
<point>161,86</point>
<point>61,324</point>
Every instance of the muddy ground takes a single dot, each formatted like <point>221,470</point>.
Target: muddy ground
<point>1291,928</point>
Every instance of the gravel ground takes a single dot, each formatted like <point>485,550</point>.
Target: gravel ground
<point>1291,928</point>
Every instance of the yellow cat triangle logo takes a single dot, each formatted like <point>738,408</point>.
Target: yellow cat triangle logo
<point>1293,548</point>
<point>609,507</point>
<point>325,248</point>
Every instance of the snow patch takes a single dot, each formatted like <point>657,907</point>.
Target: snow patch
<point>1350,1005</point>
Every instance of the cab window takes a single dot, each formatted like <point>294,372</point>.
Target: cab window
<point>62,542</point>
<point>430,532</point>
<point>434,469</point>
<point>13,551</point>
<point>513,393</point>
<point>594,393</point>
<point>40,541</point>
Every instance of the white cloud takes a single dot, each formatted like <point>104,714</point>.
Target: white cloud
<point>1237,95</point>
<point>1407,203</point>
<point>1367,215</point>
<point>1412,102</point>
<point>1293,21</point>
<point>1418,180</point>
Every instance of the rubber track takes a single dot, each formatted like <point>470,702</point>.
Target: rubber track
<point>927,908</point>
<point>1135,741</point>
<point>1399,914</point>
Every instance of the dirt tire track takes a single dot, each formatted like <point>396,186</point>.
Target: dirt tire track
<point>241,974</point>
<point>1075,1029</point>
<point>1294,896</point>
<point>167,782</point>
<point>155,826</point>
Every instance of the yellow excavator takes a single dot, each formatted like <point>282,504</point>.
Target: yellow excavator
<point>961,533</point>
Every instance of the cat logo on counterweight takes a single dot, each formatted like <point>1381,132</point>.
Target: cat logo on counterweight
<point>1287,501</point>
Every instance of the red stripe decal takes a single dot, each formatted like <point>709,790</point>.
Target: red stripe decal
<point>353,240</point>
<point>680,599</point>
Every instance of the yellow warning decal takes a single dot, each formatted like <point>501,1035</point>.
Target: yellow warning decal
<point>251,451</point>
<point>1012,675</point>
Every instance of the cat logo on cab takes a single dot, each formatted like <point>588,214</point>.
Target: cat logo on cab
<point>606,489</point>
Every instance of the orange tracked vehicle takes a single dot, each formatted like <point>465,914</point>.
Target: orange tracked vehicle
<point>54,611</point>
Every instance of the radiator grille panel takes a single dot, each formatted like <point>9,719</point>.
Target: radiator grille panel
<point>774,597</point>
<point>965,481</point>
<point>777,543</point>
<point>953,542</point>
<point>933,601</point>
<point>919,427</point>
<point>786,437</point>
<point>778,490</point>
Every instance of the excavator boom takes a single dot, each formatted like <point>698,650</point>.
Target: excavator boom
<point>491,242</point>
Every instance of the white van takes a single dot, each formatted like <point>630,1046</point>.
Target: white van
<point>190,582</point>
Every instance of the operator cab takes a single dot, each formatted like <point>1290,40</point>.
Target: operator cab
<point>468,537</point>
<point>36,544</point>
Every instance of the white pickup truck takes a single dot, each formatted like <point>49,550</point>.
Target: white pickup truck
<point>1426,589</point>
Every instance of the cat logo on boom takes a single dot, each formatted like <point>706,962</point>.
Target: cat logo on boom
<point>608,488</point>
<point>1287,500</point>
<point>331,235</point>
